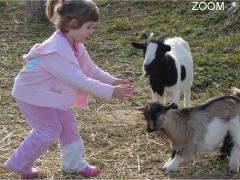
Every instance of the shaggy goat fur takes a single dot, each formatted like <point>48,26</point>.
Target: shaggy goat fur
<point>199,128</point>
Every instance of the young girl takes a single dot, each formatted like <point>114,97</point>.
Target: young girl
<point>59,72</point>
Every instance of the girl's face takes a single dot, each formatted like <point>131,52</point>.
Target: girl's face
<point>81,34</point>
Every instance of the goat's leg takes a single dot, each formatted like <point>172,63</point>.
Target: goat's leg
<point>167,100</point>
<point>155,97</point>
<point>167,163</point>
<point>176,96</point>
<point>174,163</point>
<point>234,159</point>
<point>226,147</point>
<point>187,97</point>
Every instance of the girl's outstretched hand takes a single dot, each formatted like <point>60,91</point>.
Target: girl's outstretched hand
<point>120,82</point>
<point>123,91</point>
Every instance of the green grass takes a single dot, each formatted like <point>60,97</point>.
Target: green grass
<point>213,37</point>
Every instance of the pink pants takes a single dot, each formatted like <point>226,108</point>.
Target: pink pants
<point>48,125</point>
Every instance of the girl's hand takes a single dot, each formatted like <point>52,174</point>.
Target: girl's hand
<point>120,82</point>
<point>123,92</point>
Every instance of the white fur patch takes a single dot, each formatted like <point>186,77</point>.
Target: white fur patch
<point>150,53</point>
<point>217,130</point>
<point>214,135</point>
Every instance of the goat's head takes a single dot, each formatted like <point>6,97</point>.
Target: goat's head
<point>154,48</point>
<point>154,114</point>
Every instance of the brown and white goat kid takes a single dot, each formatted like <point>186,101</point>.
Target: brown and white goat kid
<point>199,128</point>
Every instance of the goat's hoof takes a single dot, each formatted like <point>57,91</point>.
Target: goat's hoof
<point>170,169</point>
<point>232,169</point>
<point>164,167</point>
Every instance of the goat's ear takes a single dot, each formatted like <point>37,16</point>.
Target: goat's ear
<point>146,108</point>
<point>172,106</point>
<point>138,45</point>
<point>167,48</point>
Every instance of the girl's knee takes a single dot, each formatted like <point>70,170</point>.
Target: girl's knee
<point>48,136</point>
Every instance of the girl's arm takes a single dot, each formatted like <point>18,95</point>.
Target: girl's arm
<point>70,73</point>
<point>95,72</point>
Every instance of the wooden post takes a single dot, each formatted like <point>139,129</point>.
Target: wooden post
<point>35,10</point>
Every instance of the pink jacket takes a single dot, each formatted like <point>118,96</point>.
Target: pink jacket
<point>54,76</point>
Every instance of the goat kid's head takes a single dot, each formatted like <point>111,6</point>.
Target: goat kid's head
<point>154,48</point>
<point>154,114</point>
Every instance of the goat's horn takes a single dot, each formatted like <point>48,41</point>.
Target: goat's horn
<point>161,37</point>
<point>151,37</point>
<point>140,108</point>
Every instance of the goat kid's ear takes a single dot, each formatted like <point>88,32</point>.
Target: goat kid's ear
<point>138,45</point>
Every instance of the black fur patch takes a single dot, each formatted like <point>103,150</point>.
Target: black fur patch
<point>226,147</point>
<point>171,75</point>
<point>151,114</point>
<point>173,154</point>
<point>151,110</point>
<point>162,72</point>
<point>183,72</point>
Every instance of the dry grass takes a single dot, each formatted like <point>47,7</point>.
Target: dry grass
<point>114,133</point>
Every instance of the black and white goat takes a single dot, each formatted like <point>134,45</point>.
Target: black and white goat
<point>199,128</point>
<point>168,63</point>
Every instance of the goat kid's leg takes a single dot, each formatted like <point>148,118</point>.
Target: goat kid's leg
<point>169,160</point>
<point>226,147</point>
<point>155,97</point>
<point>187,97</point>
<point>174,163</point>
<point>235,158</point>
<point>176,96</point>
<point>166,100</point>
<point>234,161</point>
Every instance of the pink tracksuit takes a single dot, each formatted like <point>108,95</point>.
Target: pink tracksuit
<point>55,76</point>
